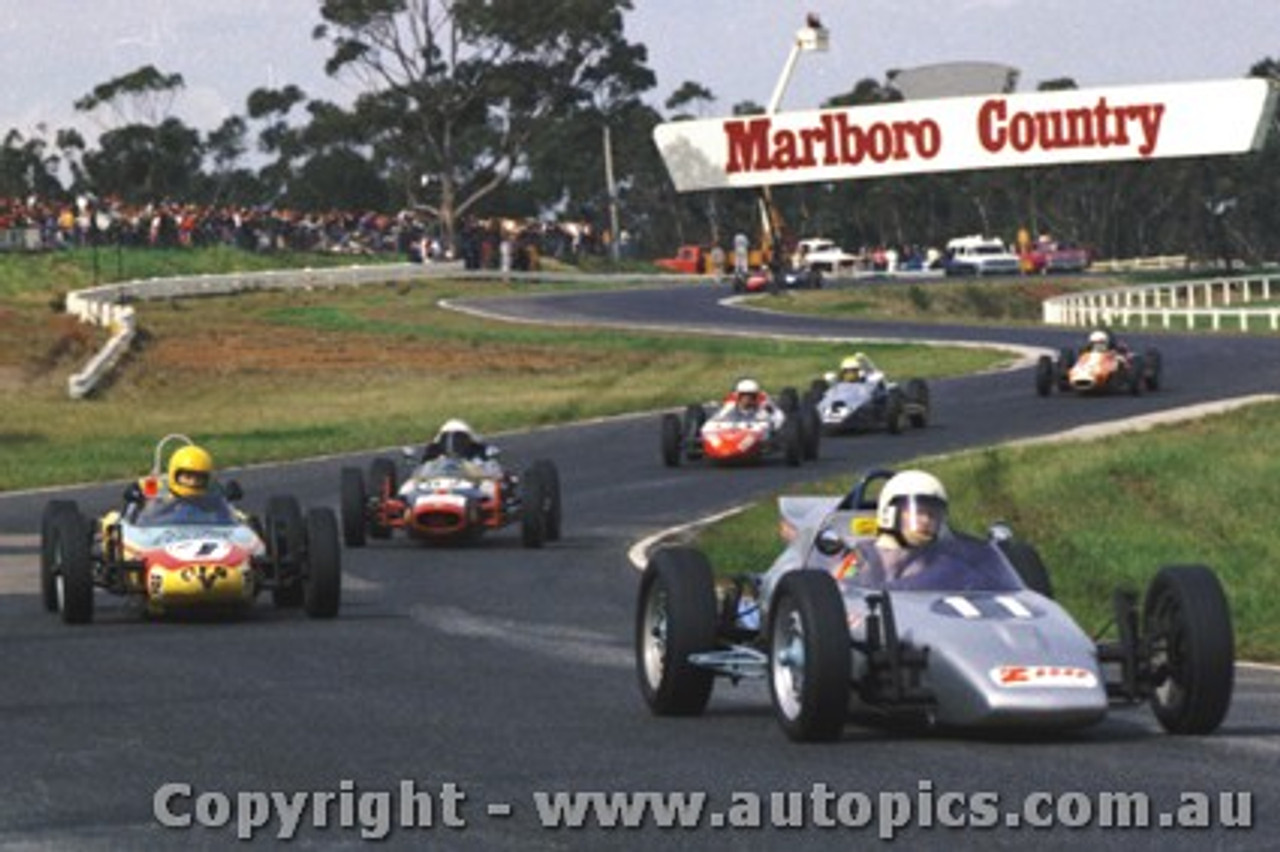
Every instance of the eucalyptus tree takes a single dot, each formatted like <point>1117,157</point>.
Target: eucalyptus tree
<point>456,93</point>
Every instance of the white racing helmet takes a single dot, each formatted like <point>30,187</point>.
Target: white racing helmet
<point>912,508</point>
<point>455,438</point>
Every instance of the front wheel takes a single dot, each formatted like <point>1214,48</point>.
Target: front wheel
<point>551,505</point>
<point>810,667</point>
<point>671,440</point>
<point>675,619</point>
<point>322,583</point>
<point>1187,626</point>
<point>72,566</point>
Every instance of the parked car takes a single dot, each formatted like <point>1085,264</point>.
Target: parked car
<point>979,255</point>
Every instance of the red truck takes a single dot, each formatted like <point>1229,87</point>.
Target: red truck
<point>1048,256</point>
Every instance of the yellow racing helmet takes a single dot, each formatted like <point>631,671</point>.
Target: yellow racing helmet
<point>190,471</point>
<point>851,369</point>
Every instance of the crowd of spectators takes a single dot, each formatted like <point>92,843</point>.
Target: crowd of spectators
<point>40,224</point>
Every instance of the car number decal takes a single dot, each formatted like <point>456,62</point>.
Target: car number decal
<point>1018,677</point>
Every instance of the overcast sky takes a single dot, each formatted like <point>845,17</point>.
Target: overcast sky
<point>57,50</point>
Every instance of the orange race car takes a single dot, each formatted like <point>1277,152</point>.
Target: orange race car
<point>1103,366</point>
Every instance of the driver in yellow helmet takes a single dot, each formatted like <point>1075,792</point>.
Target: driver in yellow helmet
<point>189,480</point>
<point>190,472</point>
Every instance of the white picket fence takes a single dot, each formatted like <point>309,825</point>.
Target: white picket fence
<point>1230,302</point>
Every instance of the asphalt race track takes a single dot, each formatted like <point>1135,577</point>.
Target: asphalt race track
<point>500,674</point>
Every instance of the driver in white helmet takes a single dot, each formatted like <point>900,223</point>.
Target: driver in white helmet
<point>456,439</point>
<point>911,515</point>
<point>749,402</point>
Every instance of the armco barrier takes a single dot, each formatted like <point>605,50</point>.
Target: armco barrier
<point>1226,302</point>
<point>109,305</point>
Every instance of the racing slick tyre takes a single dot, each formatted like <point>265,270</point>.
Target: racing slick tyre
<point>1066,360</point>
<point>894,414</point>
<point>809,657</point>
<point>551,476</point>
<point>1044,375</point>
<point>71,564</point>
<point>675,618</point>
<point>534,497</point>
<point>322,581</point>
<point>1187,631</point>
<point>383,485</point>
<point>810,431</point>
<point>788,400</point>
<point>1137,367</point>
<point>792,442</point>
<point>1030,568</point>
<point>1155,369</point>
<point>286,548</point>
<point>48,581</point>
<point>671,439</point>
<point>918,396</point>
<point>354,504</point>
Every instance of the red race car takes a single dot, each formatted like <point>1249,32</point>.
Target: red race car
<point>747,427</point>
<point>456,490</point>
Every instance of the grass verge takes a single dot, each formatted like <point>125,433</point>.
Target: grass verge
<point>1108,513</point>
<point>271,376</point>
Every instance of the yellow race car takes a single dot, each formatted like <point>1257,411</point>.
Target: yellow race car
<point>171,551</point>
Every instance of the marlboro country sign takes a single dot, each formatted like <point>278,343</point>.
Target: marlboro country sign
<point>954,134</point>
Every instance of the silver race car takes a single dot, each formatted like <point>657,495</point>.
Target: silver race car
<point>859,397</point>
<point>974,641</point>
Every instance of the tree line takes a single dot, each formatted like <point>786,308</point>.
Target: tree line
<point>496,108</point>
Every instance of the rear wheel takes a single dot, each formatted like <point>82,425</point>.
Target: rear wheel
<point>533,500</point>
<point>286,547</point>
<point>551,498</point>
<point>71,564</point>
<point>918,395</point>
<point>671,440</point>
<point>1044,375</point>
<point>322,582</point>
<point>810,667</point>
<point>1136,367</point>
<point>382,484</point>
<point>893,412</point>
<point>355,504</point>
<point>810,431</point>
<point>675,618</point>
<point>1187,626</point>
<point>1155,369</point>
<point>788,400</point>
<point>792,442</point>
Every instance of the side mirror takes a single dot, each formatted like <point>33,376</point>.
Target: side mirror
<point>409,453</point>
<point>491,452</point>
<point>232,491</point>
<point>829,542</point>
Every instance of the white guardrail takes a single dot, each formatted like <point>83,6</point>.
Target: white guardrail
<point>1227,302</point>
<point>110,305</point>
